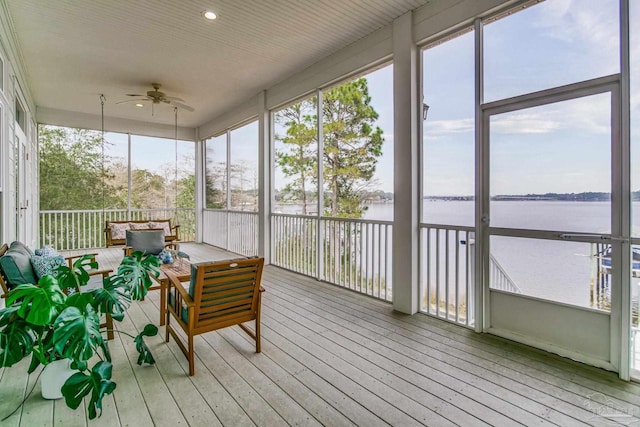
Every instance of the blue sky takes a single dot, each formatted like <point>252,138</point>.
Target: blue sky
<point>555,148</point>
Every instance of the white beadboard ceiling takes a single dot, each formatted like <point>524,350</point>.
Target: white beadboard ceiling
<point>74,50</point>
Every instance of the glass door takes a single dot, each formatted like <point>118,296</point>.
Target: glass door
<point>22,201</point>
<point>551,207</point>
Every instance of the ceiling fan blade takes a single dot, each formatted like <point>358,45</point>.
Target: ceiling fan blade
<point>132,100</point>
<point>173,98</point>
<point>135,94</point>
<point>182,106</point>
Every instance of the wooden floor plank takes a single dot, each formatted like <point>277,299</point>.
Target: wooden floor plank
<point>189,401</point>
<point>318,408</point>
<point>222,403</point>
<point>332,357</point>
<point>290,411</point>
<point>421,404</point>
<point>467,341</point>
<point>428,361</point>
<point>13,389</point>
<point>161,405</point>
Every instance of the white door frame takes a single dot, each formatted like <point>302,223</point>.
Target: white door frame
<point>619,237</point>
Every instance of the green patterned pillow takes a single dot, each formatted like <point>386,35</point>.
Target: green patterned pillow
<point>44,265</point>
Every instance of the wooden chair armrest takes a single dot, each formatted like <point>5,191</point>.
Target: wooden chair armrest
<point>177,231</point>
<point>128,250</point>
<point>177,285</point>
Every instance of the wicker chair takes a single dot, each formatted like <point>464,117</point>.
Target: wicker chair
<point>220,294</point>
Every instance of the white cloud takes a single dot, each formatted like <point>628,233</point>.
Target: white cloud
<point>437,128</point>
<point>524,123</point>
<point>589,114</point>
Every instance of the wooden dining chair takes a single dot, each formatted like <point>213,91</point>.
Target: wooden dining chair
<point>220,294</point>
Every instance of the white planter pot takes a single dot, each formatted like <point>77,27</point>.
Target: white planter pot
<point>53,377</point>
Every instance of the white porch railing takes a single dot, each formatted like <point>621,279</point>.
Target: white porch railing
<point>84,229</point>
<point>236,231</point>
<point>353,253</point>
<point>447,273</point>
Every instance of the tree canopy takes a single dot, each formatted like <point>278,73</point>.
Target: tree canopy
<point>75,175</point>
<point>352,146</point>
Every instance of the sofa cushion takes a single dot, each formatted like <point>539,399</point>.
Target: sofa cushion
<point>164,225</point>
<point>19,246</point>
<point>16,266</point>
<point>149,242</point>
<point>118,230</point>
<point>47,251</point>
<point>43,265</point>
<point>140,225</point>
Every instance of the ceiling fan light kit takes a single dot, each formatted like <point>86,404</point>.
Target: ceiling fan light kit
<point>157,97</point>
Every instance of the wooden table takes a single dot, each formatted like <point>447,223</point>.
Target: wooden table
<point>182,269</point>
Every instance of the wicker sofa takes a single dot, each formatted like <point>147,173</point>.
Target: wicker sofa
<point>115,231</point>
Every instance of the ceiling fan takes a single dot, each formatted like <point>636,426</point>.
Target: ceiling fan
<point>157,97</point>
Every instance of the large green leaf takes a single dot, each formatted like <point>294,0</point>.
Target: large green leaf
<point>145,354</point>
<point>112,298</point>
<point>98,383</point>
<point>40,304</point>
<point>134,272</point>
<point>77,333</point>
<point>8,314</point>
<point>16,342</point>
<point>43,351</point>
<point>77,276</point>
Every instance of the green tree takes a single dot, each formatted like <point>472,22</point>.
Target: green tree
<point>299,160</point>
<point>71,170</point>
<point>216,185</point>
<point>148,189</point>
<point>352,146</point>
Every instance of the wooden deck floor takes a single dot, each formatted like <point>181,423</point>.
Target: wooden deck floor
<point>333,357</point>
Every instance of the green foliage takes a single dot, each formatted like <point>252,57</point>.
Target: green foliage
<point>72,159</point>
<point>145,355</point>
<point>98,383</point>
<point>40,320</point>
<point>299,161</point>
<point>352,146</point>
<point>77,173</point>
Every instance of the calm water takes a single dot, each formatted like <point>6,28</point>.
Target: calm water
<point>557,270</point>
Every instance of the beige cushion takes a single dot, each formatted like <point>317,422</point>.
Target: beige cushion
<point>140,226</point>
<point>118,230</point>
<point>164,225</point>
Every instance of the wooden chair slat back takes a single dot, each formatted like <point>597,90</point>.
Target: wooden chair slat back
<point>227,290</point>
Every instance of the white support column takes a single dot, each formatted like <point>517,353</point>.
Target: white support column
<point>621,342</point>
<point>265,149</point>
<point>200,187</point>
<point>406,177</point>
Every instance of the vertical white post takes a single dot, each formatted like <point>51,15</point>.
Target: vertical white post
<point>129,182</point>
<point>405,162</point>
<point>481,253</point>
<point>621,341</point>
<point>200,187</point>
<point>264,179</point>
<point>320,189</point>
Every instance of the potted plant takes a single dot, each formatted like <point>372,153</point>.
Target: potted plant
<point>43,321</point>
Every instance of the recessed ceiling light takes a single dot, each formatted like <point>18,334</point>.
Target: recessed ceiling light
<point>209,15</point>
<point>139,105</point>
